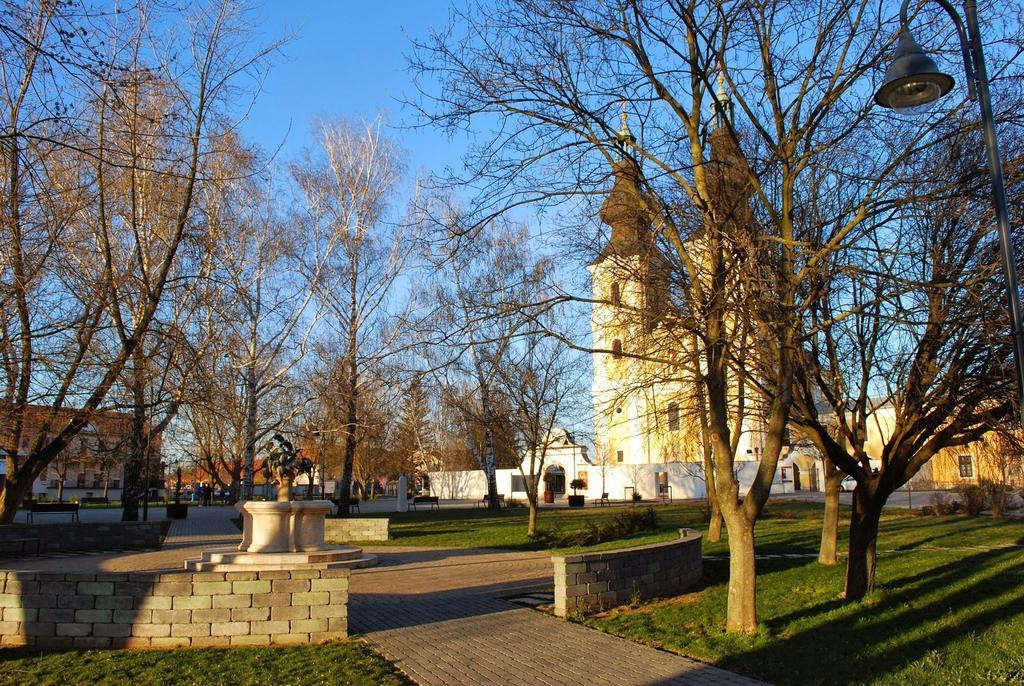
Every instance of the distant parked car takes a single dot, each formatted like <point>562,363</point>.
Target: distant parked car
<point>847,485</point>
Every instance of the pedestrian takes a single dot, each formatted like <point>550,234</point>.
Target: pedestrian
<point>208,494</point>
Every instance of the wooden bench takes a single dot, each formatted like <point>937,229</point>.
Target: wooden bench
<point>431,500</point>
<point>485,500</point>
<point>24,544</point>
<point>98,500</point>
<point>603,500</point>
<point>53,508</point>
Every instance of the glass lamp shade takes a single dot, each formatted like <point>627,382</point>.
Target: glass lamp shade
<point>913,81</point>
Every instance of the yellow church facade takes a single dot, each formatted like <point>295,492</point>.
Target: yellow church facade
<point>645,403</point>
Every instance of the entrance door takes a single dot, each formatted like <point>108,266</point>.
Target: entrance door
<point>554,480</point>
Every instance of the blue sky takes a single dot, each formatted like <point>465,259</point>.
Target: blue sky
<point>345,59</point>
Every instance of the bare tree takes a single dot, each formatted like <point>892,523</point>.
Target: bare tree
<point>480,292</point>
<point>357,254</point>
<point>540,377</point>
<point>86,268</point>
<point>918,358</point>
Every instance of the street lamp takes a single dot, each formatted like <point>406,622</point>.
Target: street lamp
<point>912,83</point>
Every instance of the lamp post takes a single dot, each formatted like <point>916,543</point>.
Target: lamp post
<point>913,82</point>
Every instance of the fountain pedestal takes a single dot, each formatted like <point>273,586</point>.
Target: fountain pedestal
<point>282,535</point>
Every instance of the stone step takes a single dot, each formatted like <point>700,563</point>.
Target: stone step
<point>366,560</point>
<point>331,554</point>
<point>233,560</point>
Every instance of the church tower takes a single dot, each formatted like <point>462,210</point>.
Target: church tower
<point>628,292</point>
<point>644,409</point>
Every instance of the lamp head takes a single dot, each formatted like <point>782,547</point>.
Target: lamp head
<point>913,81</point>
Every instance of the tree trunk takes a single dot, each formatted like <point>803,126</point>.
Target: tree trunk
<point>741,615</point>
<point>13,494</point>
<point>351,423</point>
<point>828,552</point>
<point>531,526</point>
<point>715,525</point>
<point>489,465</point>
<point>60,490</point>
<point>249,462</point>
<point>132,486</point>
<point>860,568</point>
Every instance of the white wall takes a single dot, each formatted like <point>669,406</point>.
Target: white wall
<point>685,478</point>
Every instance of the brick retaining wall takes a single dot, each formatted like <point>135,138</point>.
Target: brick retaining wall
<point>65,536</point>
<point>599,581</point>
<point>141,610</point>
<point>342,529</point>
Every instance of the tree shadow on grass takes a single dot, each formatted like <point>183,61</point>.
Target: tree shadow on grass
<point>908,618</point>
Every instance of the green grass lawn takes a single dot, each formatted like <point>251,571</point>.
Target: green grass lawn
<point>506,528</point>
<point>335,663</point>
<point>946,612</point>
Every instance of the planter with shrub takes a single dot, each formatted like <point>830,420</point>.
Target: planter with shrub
<point>576,500</point>
<point>177,509</point>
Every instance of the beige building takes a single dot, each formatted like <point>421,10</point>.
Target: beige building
<point>92,466</point>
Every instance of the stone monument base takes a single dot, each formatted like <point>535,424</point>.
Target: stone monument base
<point>231,560</point>
<point>282,535</point>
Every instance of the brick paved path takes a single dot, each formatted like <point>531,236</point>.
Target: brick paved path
<point>442,618</point>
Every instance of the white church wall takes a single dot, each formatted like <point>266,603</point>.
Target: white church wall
<point>618,481</point>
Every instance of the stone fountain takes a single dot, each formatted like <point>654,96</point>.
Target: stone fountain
<point>286,534</point>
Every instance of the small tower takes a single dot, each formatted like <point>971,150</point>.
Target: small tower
<point>728,175</point>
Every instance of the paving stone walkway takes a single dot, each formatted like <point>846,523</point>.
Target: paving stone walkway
<point>445,618</point>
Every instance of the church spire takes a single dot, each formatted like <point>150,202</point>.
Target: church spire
<point>723,103</point>
<point>625,136</point>
<point>626,209</point>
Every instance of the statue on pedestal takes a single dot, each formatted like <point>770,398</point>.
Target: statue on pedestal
<point>284,464</point>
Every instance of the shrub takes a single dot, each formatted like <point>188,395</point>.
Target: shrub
<point>622,525</point>
<point>999,497</point>
<point>974,498</point>
<point>942,504</point>
<point>577,484</point>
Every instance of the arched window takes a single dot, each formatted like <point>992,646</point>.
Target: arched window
<point>673,416</point>
<point>616,294</point>
<point>617,348</point>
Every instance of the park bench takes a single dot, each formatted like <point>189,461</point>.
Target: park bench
<point>353,504</point>
<point>95,500</point>
<point>484,500</point>
<point>23,543</point>
<point>430,500</point>
<point>53,508</point>
<point>603,500</point>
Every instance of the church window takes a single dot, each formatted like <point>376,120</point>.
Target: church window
<point>617,348</point>
<point>616,294</point>
<point>619,456</point>
<point>673,416</point>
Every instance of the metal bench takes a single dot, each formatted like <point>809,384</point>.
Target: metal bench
<point>603,500</point>
<point>431,500</point>
<point>23,543</point>
<point>91,500</point>
<point>53,508</point>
